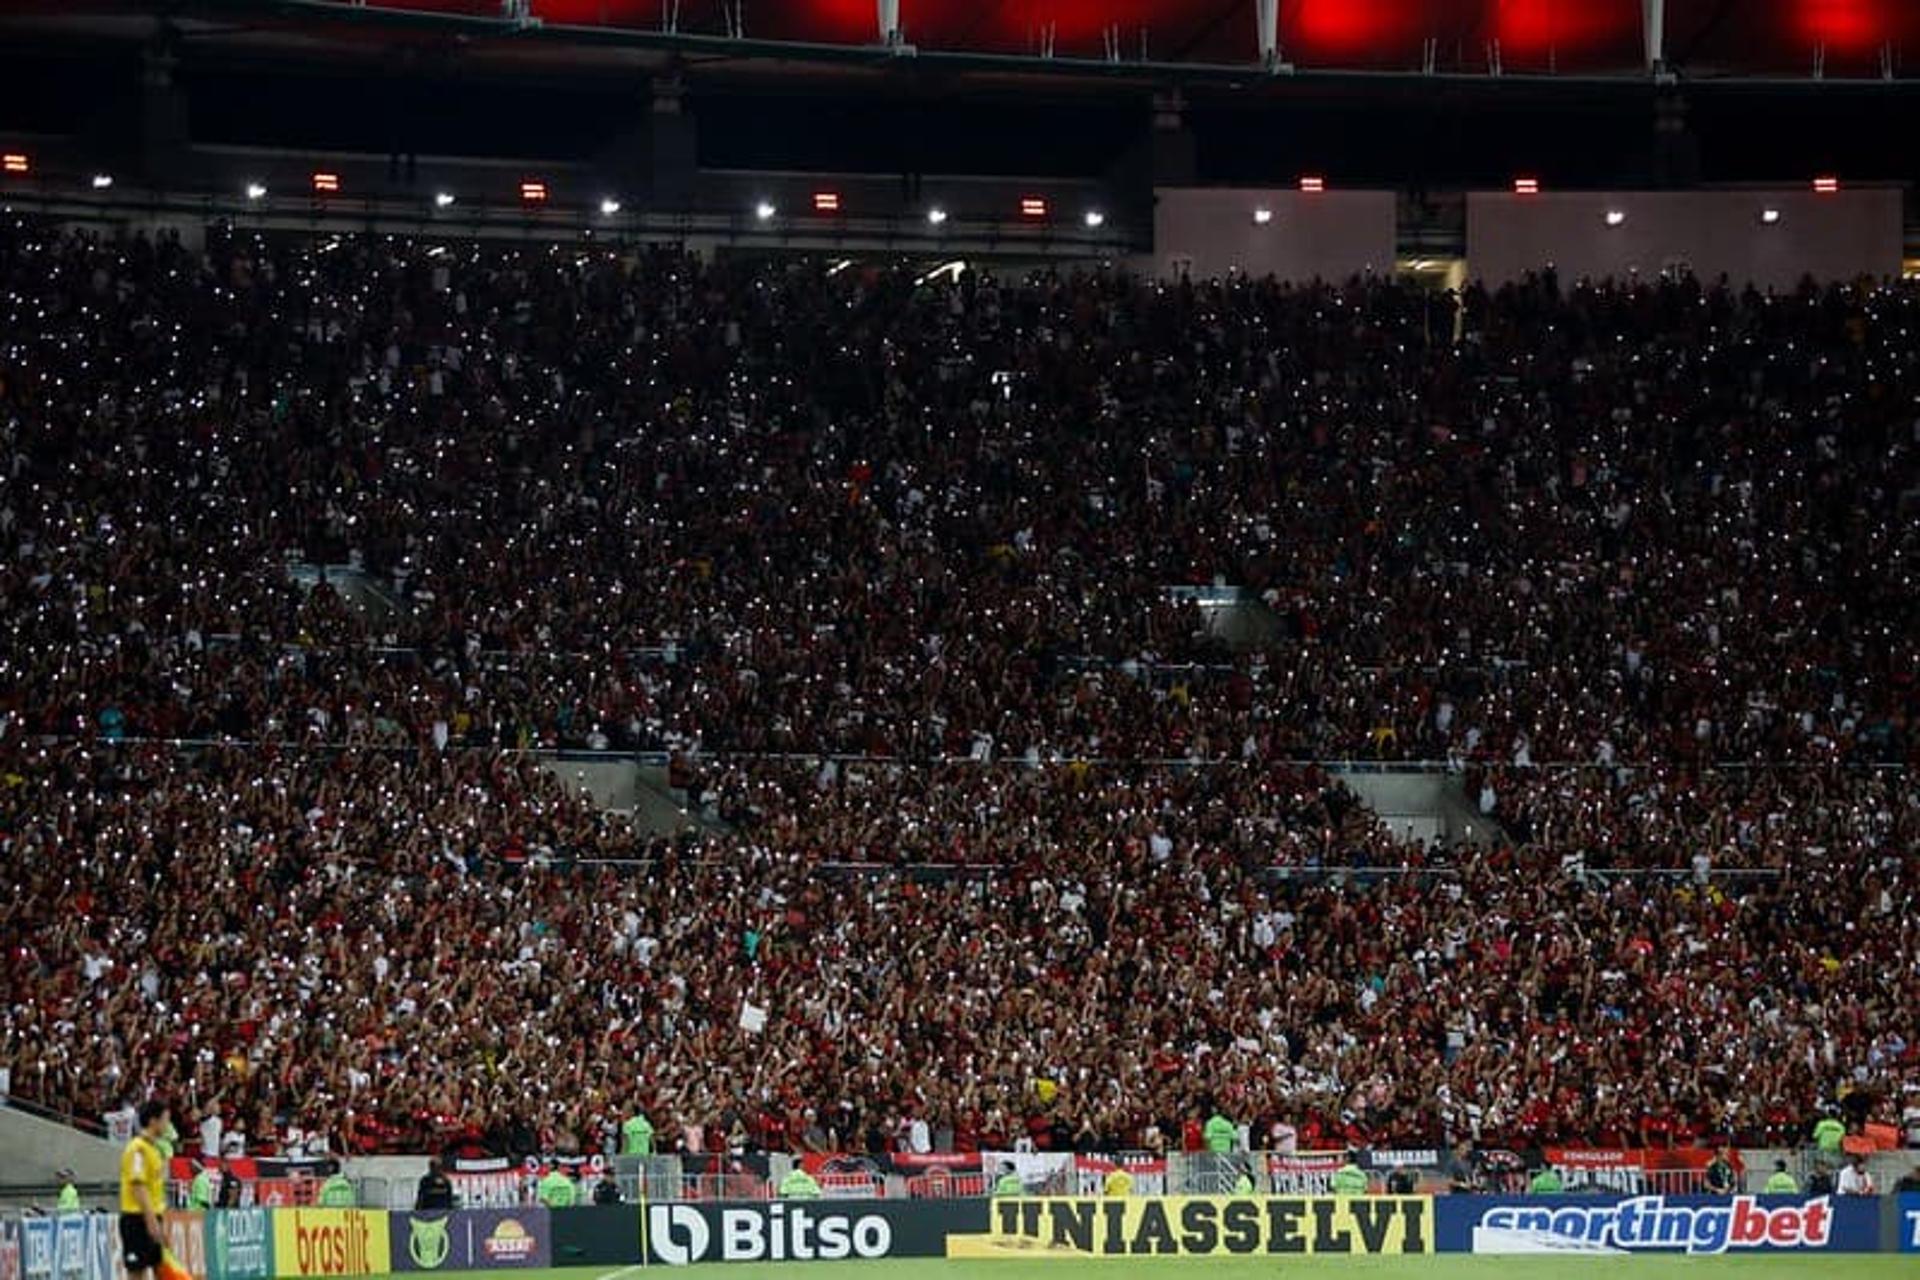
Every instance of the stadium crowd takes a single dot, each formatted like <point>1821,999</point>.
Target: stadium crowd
<point>884,564</point>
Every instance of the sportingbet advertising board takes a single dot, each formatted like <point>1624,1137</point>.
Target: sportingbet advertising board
<point>1656,1224</point>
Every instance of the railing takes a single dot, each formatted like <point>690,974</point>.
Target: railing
<point>660,756</point>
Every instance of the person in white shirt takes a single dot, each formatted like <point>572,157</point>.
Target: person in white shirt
<point>1855,1180</point>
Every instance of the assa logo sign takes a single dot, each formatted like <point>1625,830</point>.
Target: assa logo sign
<point>680,1234</point>
<point>1654,1223</point>
<point>509,1243</point>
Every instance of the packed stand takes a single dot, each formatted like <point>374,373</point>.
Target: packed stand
<point>758,515</point>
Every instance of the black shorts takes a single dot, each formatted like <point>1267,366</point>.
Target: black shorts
<point>138,1248</point>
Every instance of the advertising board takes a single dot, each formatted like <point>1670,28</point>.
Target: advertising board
<point>187,1241</point>
<point>1655,1224</point>
<point>239,1245</point>
<point>598,1235</point>
<point>1907,1219</point>
<point>815,1230</point>
<point>1197,1225</point>
<point>331,1242</point>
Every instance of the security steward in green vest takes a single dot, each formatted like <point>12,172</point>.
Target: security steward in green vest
<point>1546,1182</point>
<point>636,1135</point>
<point>337,1193</point>
<point>1350,1179</point>
<point>799,1185</point>
<point>68,1201</point>
<point>1008,1183</point>
<point>201,1192</point>
<point>1780,1182</point>
<point>556,1190</point>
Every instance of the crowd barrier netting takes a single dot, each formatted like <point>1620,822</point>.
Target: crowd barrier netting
<point>281,1244</point>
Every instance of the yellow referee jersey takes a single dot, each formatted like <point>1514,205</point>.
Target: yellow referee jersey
<point>141,1165</point>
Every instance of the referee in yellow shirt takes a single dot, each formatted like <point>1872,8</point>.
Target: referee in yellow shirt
<point>143,1180</point>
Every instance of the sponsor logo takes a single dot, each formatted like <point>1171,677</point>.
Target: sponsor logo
<point>427,1242</point>
<point>72,1236</point>
<point>187,1241</point>
<point>1651,1222</point>
<point>509,1242</point>
<point>331,1242</point>
<point>240,1242</point>
<point>681,1234</point>
<point>36,1248</point>
<point>1910,1224</point>
<point>1172,1225</point>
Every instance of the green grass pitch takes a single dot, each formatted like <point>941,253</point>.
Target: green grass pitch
<point>1854,1266</point>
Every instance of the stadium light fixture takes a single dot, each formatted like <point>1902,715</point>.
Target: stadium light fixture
<point>1826,184</point>
<point>1313,184</point>
<point>1033,207</point>
<point>1262,216</point>
<point>101,181</point>
<point>533,191</point>
<point>1095,219</point>
<point>256,191</point>
<point>326,184</point>
<point>15,162</point>
<point>1526,186</point>
<point>609,206</point>
<point>826,202</point>
<point>937,216</point>
<point>1616,216</point>
<point>1769,216</point>
<point>764,211</point>
<point>443,199</point>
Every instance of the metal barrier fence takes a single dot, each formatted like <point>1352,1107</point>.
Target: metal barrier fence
<point>661,1179</point>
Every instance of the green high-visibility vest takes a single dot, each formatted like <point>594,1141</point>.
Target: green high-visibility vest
<point>1829,1134</point>
<point>1545,1183</point>
<point>1220,1134</point>
<point>799,1185</point>
<point>636,1137</point>
<point>556,1190</point>
<point>336,1193</point>
<point>1009,1184</point>
<point>200,1194</point>
<point>69,1201</point>
<point>1349,1180</point>
<point>1781,1183</point>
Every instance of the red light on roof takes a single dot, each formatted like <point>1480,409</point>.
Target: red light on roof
<point>1313,184</point>
<point>326,183</point>
<point>826,202</point>
<point>14,162</point>
<point>1826,186</point>
<point>533,192</point>
<point>1032,207</point>
<point>1526,186</point>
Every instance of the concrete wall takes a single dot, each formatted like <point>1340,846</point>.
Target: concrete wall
<point>1713,233</point>
<point>1424,806</point>
<point>1210,231</point>
<point>32,1149</point>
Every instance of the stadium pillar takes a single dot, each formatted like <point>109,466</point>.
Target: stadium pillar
<point>889,21</point>
<point>1172,145</point>
<point>1653,30</point>
<point>163,116</point>
<point>1676,151</point>
<point>667,161</point>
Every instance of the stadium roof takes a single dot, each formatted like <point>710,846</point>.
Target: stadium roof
<point>1702,39</point>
